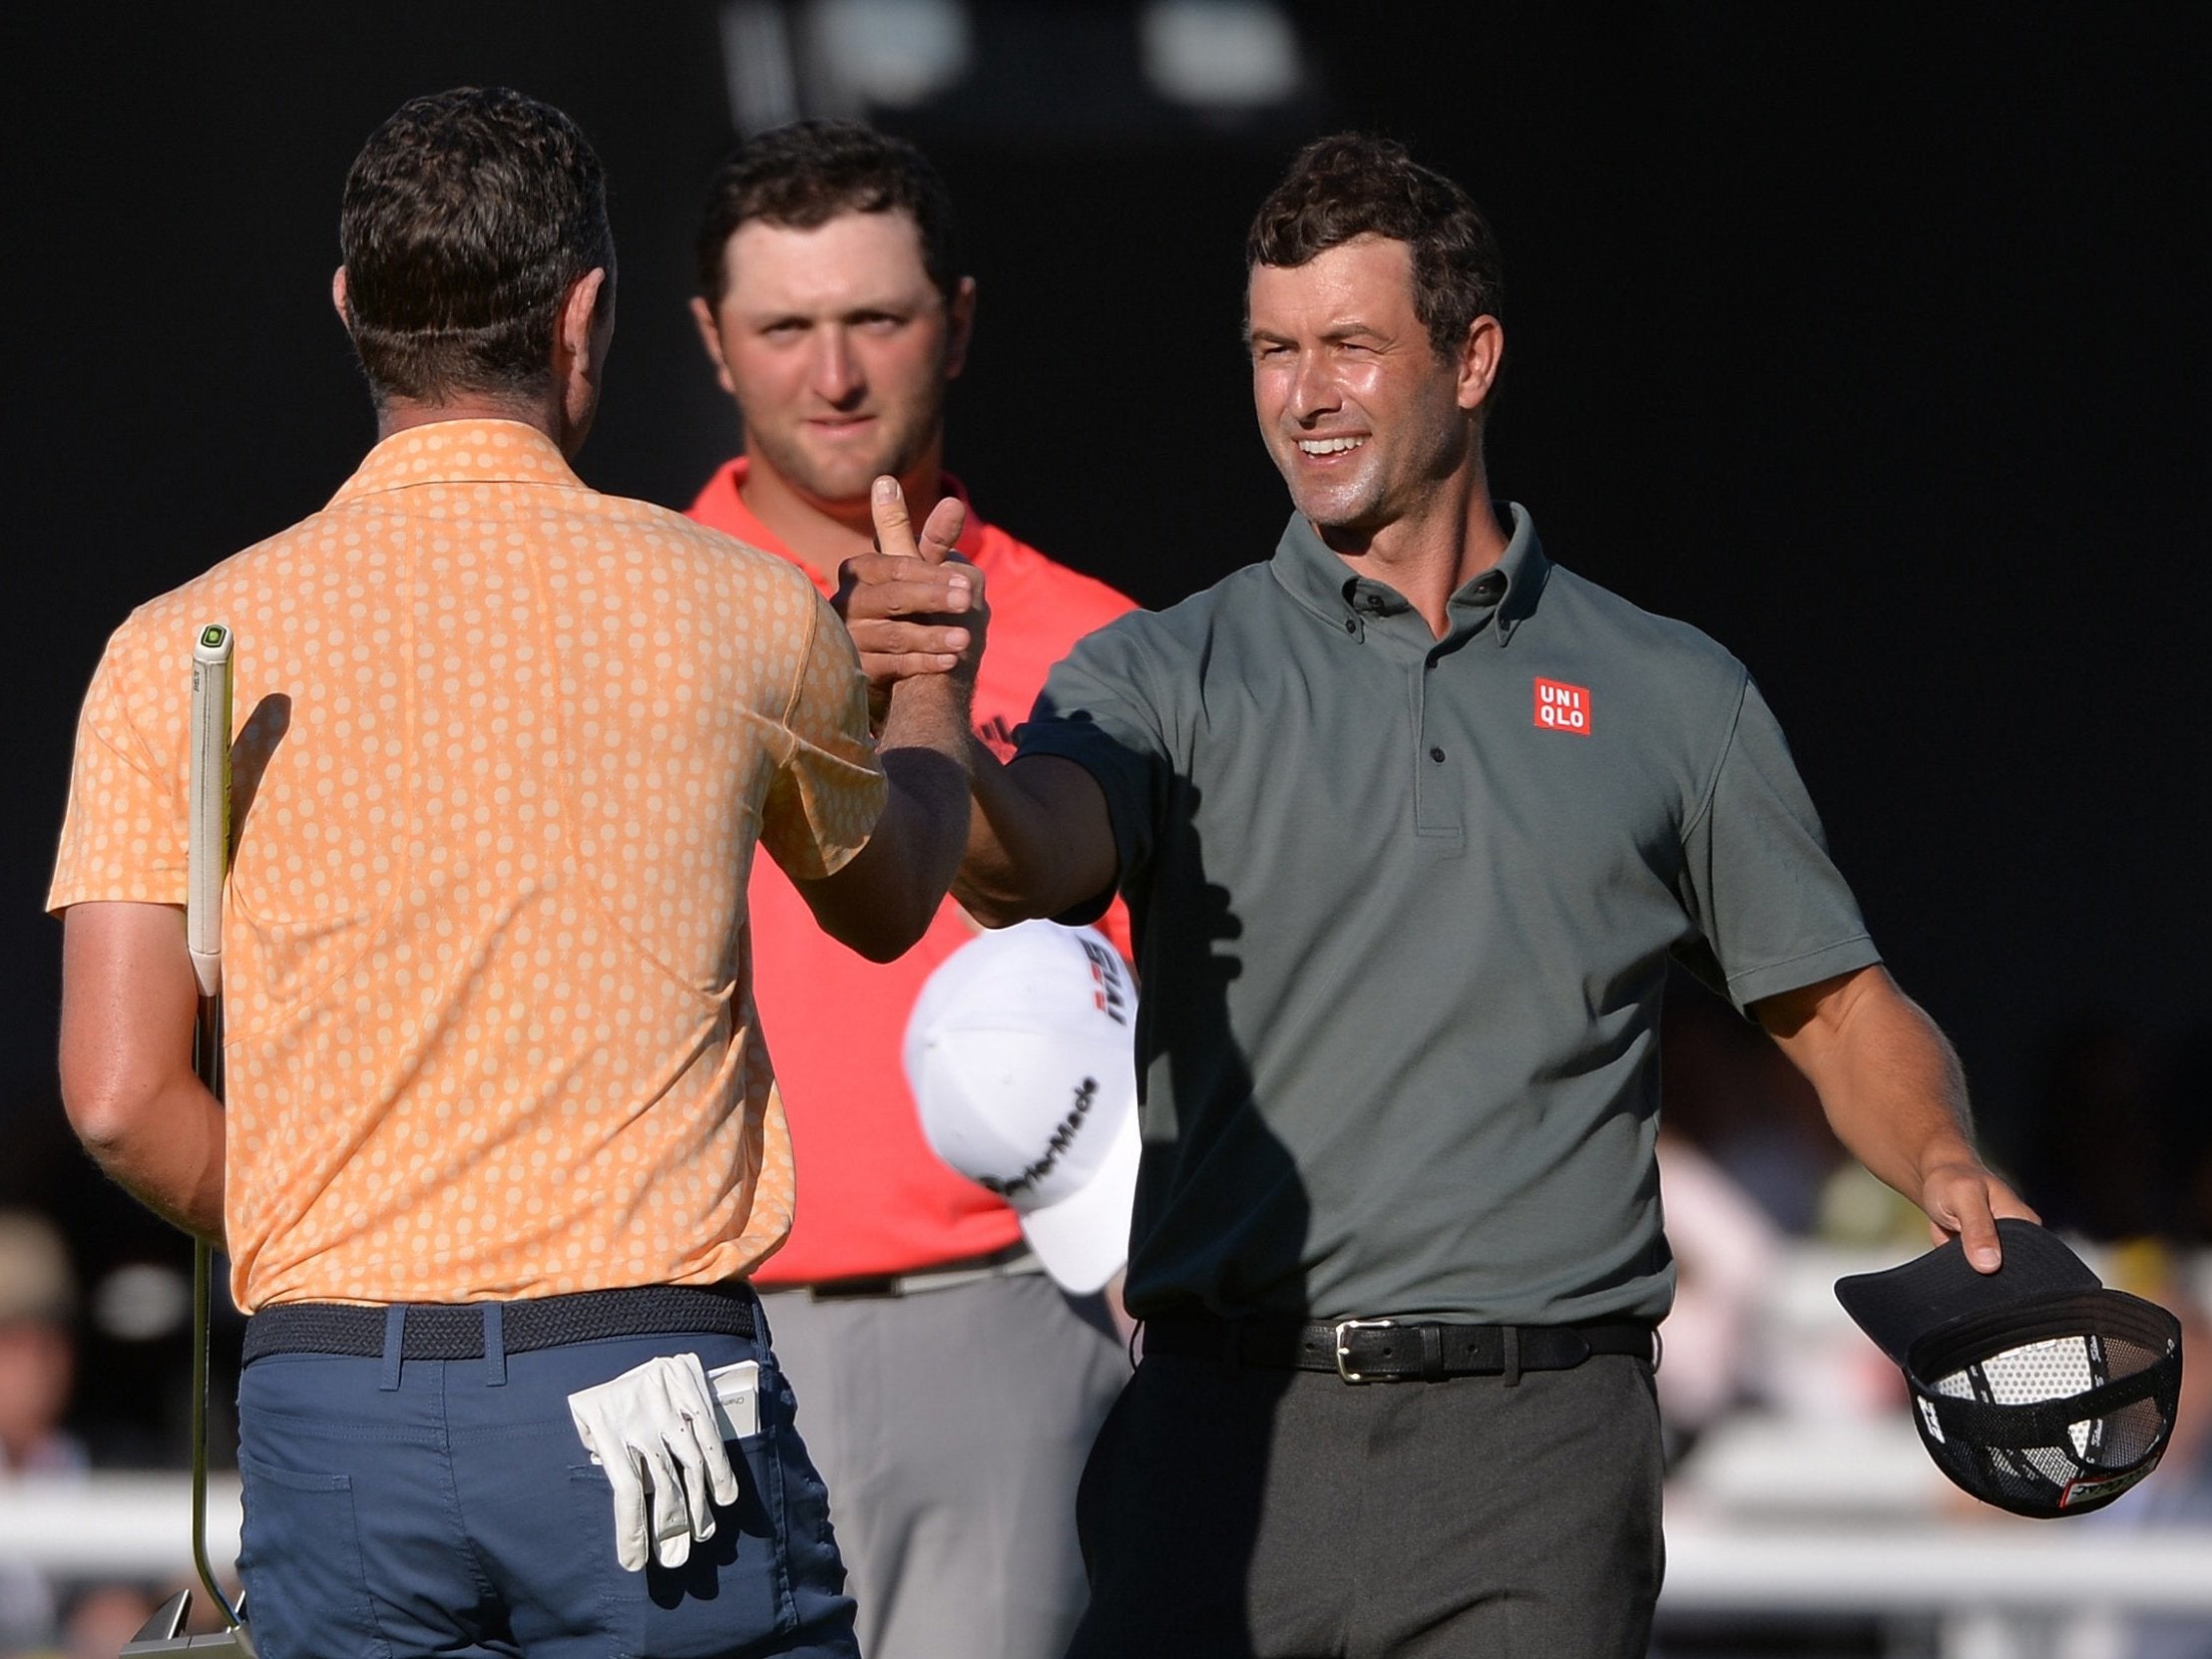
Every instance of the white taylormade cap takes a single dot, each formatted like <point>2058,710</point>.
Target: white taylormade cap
<point>1021,1055</point>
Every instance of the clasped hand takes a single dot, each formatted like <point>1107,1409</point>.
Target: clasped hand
<point>912,608</point>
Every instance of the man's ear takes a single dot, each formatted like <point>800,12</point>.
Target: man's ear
<point>710,339</point>
<point>960,327</point>
<point>338,296</point>
<point>580,313</point>
<point>1480,356</point>
<point>579,342</point>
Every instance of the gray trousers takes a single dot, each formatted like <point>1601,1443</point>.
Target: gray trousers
<point>1240,1512</point>
<point>951,1427</point>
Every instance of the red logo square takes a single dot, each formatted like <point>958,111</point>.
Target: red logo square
<point>1563,707</point>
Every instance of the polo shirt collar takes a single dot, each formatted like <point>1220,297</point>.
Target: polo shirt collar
<point>1324,585</point>
<point>473,451</point>
<point>722,506</point>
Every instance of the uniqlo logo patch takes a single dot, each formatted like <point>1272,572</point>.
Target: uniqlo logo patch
<point>1563,707</point>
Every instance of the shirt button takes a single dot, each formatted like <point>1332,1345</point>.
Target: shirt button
<point>1437,755</point>
<point>1351,625</point>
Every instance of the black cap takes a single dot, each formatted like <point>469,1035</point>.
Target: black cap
<point>2034,1388</point>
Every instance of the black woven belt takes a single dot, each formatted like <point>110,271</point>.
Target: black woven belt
<point>455,1330</point>
<point>1374,1350</point>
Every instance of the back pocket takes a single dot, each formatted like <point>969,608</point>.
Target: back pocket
<point>732,1593</point>
<point>307,1593</point>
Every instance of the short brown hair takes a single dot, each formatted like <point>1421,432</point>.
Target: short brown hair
<point>467,218</point>
<point>807,173</point>
<point>1353,185</point>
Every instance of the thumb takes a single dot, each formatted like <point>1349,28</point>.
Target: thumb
<point>941,529</point>
<point>1962,1207</point>
<point>894,524</point>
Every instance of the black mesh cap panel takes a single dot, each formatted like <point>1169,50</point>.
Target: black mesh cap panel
<point>2053,1410</point>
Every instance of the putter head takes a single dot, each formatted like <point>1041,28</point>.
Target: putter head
<point>160,1634</point>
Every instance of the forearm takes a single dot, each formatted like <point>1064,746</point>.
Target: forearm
<point>1889,1081</point>
<point>166,1150</point>
<point>991,882</point>
<point>1037,840</point>
<point>129,1001</point>
<point>1896,1095</point>
<point>883,899</point>
<point>924,748</point>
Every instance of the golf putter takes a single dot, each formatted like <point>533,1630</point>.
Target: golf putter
<point>208,862</point>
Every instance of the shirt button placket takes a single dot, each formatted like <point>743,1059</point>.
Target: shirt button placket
<point>1436,807</point>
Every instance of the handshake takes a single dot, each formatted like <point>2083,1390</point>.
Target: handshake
<point>660,1431</point>
<point>911,607</point>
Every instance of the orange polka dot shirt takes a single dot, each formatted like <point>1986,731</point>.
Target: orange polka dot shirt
<point>504,749</point>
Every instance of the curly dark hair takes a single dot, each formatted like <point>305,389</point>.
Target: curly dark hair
<point>808,172</point>
<point>1352,185</point>
<point>467,218</point>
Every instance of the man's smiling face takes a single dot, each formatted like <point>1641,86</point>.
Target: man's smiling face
<point>1359,411</point>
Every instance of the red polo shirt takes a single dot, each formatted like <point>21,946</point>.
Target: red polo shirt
<point>872,1197</point>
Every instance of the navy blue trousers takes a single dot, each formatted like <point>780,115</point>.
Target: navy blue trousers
<point>446,1507</point>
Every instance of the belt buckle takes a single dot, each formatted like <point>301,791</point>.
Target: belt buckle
<point>1344,1351</point>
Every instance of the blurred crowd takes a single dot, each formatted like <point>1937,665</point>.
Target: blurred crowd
<point>95,1312</point>
<point>2111,1144</point>
<point>51,1434</point>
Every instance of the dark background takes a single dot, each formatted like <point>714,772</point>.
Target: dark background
<point>1872,341</point>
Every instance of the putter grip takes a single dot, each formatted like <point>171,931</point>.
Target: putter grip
<point>208,848</point>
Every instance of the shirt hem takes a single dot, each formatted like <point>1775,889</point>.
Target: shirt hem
<point>1843,956</point>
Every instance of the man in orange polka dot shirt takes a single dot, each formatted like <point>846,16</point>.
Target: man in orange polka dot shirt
<point>500,1125</point>
<point>951,1389</point>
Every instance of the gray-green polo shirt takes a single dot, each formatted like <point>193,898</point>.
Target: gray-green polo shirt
<point>1402,912</point>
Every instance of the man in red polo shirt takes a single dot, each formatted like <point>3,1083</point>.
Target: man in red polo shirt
<point>952,1388</point>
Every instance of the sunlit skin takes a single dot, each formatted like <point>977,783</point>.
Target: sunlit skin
<point>838,350</point>
<point>1376,434</point>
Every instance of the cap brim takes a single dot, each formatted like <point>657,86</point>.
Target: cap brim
<point>1899,1307</point>
<point>1084,1240</point>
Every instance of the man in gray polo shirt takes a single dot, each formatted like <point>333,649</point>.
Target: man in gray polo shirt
<point>1410,821</point>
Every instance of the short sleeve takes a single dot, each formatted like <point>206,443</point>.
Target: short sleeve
<point>124,837</point>
<point>1101,708</point>
<point>1772,911</point>
<point>824,799</point>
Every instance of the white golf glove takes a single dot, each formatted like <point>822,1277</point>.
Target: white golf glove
<point>654,1428</point>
